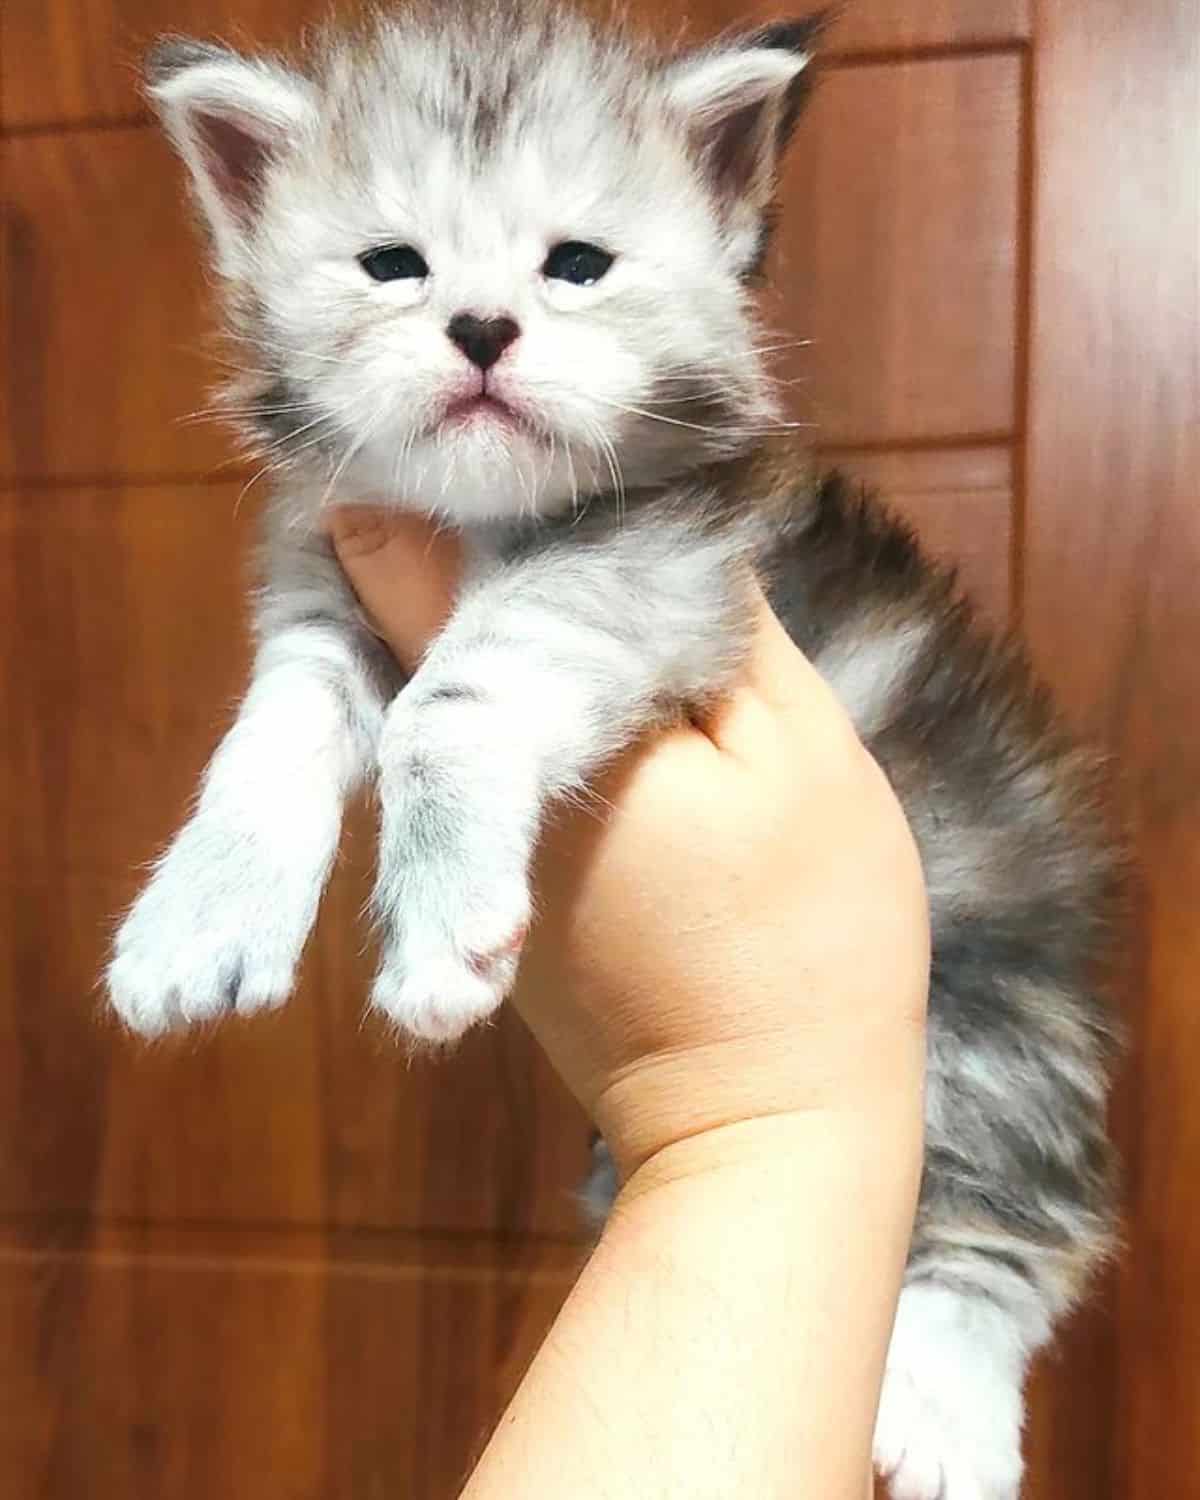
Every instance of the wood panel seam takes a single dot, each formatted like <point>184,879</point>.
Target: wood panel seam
<point>1022,337</point>
<point>359,1270</point>
<point>491,1239</point>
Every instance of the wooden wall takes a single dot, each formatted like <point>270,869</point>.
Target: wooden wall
<point>281,1259</point>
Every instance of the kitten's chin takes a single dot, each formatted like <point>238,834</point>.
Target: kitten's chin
<point>475,476</point>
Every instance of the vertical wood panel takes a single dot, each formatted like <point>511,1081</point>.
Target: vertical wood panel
<point>1112,609</point>
<point>73,60</point>
<point>896,253</point>
<point>103,301</point>
<point>959,500</point>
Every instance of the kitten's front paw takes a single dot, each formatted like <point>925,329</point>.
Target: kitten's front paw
<point>449,963</point>
<point>219,929</point>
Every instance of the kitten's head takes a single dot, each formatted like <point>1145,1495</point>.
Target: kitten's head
<point>491,257</point>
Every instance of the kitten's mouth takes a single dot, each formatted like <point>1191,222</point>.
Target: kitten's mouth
<point>481,406</point>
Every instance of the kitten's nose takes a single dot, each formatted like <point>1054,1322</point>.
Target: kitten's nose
<point>482,340</point>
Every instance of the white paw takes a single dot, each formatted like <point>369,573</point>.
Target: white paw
<point>949,1424</point>
<point>219,929</point>
<point>919,1454</point>
<point>449,963</point>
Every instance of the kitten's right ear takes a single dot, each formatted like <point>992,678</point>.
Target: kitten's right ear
<point>739,97</point>
<point>228,116</point>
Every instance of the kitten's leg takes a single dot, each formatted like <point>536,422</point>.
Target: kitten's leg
<point>1015,1210</point>
<point>951,1408</point>
<point>547,669</point>
<point>222,923</point>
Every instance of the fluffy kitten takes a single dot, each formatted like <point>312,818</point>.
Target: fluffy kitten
<point>493,264</point>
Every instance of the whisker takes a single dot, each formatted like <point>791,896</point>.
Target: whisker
<point>759,431</point>
<point>247,487</point>
<point>351,452</point>
<point>226,413</point>
<point>755,351</point>
<point>569,451</point>
<point>608,452</point>
<point>548,467</point>
<point>282,444</point>
<point>284,352</point>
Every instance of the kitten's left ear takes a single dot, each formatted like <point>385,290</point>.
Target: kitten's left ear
<point>740,98</point>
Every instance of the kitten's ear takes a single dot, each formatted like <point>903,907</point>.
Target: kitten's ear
<point>228,116</point>
<point>740,98</point>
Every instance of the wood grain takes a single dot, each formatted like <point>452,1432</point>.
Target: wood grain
<point>1112,610</point>
<point>960,502</point>
<point>73,60</point>
<point>897,252</point>
<point>304,1117</point>
<point>260,1367</point>
<point>122,610</point>
<point>127,607</point>
<point>102,302</point>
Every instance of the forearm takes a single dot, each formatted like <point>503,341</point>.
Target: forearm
<point>727,1338</point>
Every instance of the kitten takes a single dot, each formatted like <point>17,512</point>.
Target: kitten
<point>493,263</point>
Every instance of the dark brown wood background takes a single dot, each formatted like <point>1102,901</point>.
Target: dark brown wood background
<point>279,1260</point>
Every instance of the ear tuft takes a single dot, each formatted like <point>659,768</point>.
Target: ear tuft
<point>797,35</point>
<point>173,54</point>
<point>801,38</point>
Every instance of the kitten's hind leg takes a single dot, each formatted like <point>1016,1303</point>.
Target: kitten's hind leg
<point>951,1408</point>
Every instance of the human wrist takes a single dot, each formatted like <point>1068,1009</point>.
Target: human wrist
<point>746,1094</point>
<point>849,1152</point>
<point>745,1286</point>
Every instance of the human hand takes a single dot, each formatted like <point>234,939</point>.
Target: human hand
<point>734,926</point>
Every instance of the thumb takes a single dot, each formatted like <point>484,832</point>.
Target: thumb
<point>405,571</point>
<point>779,689</point>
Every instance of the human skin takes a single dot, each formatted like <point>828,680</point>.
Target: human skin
<point>729,969</point>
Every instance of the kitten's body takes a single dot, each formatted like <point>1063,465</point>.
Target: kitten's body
<point>614,502</point>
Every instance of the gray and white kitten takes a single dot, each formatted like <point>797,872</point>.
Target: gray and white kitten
<point>492,263</point>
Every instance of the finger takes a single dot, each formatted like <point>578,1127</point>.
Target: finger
<point>778,671</point>
<point>405,571</point>
<point>780,692</point>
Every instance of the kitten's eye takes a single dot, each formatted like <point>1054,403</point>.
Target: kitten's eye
<point>577,262</point>
<point>394,263</point>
